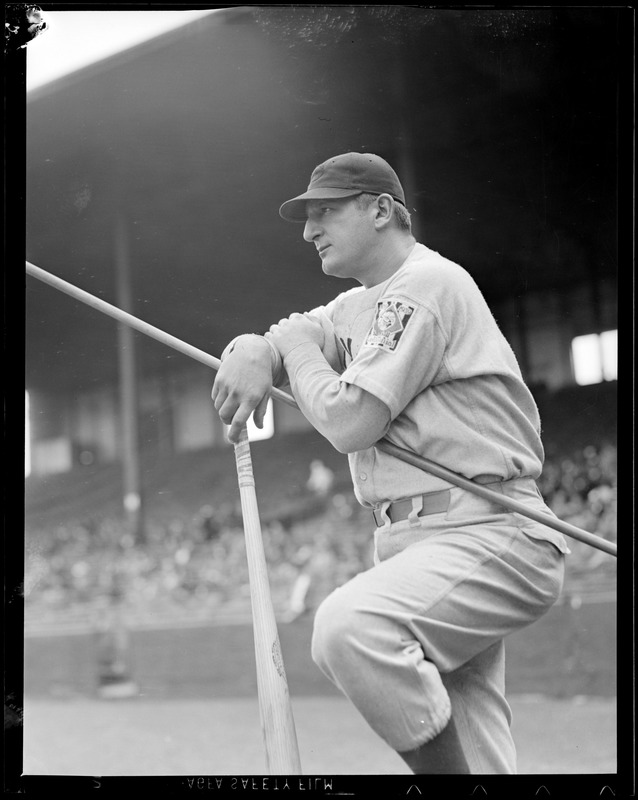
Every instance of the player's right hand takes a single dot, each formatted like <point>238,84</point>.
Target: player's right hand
<point>242,386</point>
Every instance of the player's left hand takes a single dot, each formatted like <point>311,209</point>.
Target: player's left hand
<point>295,330</point>
<point>243,384</point>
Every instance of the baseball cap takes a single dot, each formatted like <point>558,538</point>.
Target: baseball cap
<point>346,175</point>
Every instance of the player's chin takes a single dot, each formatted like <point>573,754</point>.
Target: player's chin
<point>331,268</point>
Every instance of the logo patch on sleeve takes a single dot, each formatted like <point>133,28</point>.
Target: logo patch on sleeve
<point>390,321</point>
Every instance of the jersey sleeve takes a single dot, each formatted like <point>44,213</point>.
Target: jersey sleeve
<point>402,354</point>
<point>324,315</point>
<point>349,417</point>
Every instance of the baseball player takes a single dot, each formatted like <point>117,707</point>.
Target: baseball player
<point>414,355</point>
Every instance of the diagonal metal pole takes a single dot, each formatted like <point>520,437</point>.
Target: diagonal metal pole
<point>135,322</point>
<point>513,505</point>
<point>398,452</point>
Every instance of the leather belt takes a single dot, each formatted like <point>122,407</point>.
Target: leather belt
<point>485,479</point>
<point>433,503</point>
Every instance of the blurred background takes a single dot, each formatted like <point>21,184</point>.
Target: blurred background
<point>153,179</point>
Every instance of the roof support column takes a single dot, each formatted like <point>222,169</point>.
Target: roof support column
<point>132,484</point>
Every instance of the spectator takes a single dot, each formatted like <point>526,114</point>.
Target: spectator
<point>321,478</point>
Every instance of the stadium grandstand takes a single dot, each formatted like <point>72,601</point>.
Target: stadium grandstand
<point>153,182</point>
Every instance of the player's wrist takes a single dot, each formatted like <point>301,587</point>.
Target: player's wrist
<point>302,348</point>
<point>256,348</point>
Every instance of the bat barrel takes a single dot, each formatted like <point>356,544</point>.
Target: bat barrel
<point>277,722</point>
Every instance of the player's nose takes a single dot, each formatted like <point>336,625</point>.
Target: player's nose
<point>311,230</point>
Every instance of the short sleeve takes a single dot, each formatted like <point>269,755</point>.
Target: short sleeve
<point>402,354</point>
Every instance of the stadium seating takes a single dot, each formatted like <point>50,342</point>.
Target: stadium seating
<point>191,559</point>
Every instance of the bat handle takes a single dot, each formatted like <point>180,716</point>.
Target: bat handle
<point>277,722</point>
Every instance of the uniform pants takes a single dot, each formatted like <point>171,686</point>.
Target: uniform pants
<point>419,636</point>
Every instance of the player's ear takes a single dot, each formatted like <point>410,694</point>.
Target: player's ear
<point>384,210</point>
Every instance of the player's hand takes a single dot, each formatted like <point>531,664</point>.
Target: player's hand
<point>295,330</point>
<point>242,386</point>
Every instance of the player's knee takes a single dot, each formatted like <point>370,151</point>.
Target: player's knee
<point>335,626</point>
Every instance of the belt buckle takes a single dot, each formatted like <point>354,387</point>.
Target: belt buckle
<point>377,513</point>
<point>432,503</point>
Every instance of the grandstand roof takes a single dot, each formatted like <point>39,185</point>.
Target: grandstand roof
<point>503,125</point>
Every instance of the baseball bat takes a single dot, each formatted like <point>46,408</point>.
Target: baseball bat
<point>277,722</point>
<point>278,728</point>
<point>404,455</point>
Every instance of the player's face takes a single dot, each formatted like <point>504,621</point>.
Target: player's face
<point>344,236</point>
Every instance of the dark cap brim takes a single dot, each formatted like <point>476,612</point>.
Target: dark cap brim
<point>295,210</point>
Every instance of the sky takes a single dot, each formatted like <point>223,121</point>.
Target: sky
<point>75,39</point>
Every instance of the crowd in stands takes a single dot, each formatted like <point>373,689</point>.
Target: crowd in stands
<point>582,489</point>
<point>196,566</point>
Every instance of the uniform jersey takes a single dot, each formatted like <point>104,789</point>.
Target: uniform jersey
<point>427,345</point>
